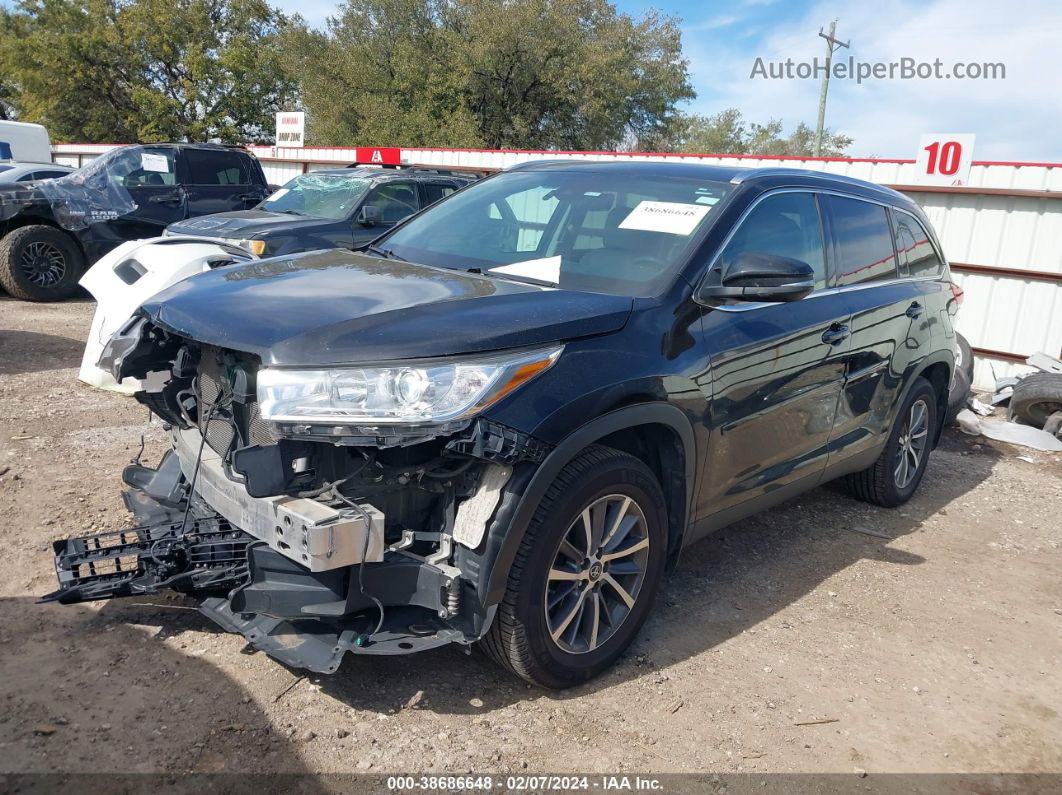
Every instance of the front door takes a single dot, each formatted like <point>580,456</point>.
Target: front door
<point>776,369</point>
<point>395,200</point>
<point>146,193</point>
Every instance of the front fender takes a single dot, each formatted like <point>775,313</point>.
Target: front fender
<point>511,522</point>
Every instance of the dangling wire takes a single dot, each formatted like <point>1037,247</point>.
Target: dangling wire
<point>199,456</point>
<point>364,554</point>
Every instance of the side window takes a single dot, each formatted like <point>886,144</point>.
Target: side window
<point>433,191</point>
<point>915,248</point>
<point>396,200</point>
<point>216,167</point>
<point>786,225</point>
<point>862,240</point>
<point>143,166</point>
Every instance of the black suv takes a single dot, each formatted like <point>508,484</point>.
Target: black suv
<point>330,208</point>
<point>50,231</point>
<point>504,421</point>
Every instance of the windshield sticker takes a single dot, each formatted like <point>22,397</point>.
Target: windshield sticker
<point>546,269</point>
<point>280,194</point>
<point>150,162</point>
<point>709,200</point>
<point>671,218</point>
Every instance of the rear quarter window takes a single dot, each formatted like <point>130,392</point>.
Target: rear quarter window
<point>862,241</point>
<point>918,258</point>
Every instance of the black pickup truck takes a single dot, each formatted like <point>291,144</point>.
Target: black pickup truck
<point>52,229</point>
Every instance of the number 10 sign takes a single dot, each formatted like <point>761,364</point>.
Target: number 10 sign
<point>944,159</point>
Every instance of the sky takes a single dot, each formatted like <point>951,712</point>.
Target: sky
<point>1017,118</point>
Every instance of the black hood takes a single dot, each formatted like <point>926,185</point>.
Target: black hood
<point>329,307</point>
<point>244,224</point>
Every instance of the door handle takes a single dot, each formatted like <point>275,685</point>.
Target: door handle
<point>914,310</point>
<point>167,198</point>
<point>835,334</point>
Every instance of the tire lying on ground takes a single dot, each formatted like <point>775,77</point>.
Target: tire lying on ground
<point>40,263</point>
<point>1036,397</point>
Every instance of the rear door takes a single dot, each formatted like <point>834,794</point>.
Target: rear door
<point>219,181</point>
<point>891,326</point>
<point>776,368</point>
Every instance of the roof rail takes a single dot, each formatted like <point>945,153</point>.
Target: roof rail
<point>778,171</point>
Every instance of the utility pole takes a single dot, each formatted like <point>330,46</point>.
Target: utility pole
<point>832,46</point>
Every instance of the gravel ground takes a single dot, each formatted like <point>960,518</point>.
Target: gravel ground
<point>823,636</point>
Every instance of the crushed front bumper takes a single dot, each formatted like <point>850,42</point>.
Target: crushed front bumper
<point>300,580</point>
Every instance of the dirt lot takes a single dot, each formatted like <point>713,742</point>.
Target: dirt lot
<point>930,636</point>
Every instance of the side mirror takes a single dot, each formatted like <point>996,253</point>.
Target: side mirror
<point>370,215</point>
<point>754,276</point>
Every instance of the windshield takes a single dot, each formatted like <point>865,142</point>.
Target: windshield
<point>581,230</point>
<point>320,195</point>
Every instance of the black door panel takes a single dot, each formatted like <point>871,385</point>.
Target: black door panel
<point>775,386</point>
<point>887,346</point>
<point>220,181</point>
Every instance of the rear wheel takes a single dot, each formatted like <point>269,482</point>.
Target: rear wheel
<point>895,476</point>
<point>40,263</point>
<point>586,573</point>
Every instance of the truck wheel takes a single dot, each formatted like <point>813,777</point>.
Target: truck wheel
<point>40,263</point>
<point>893,478</point>
<point>1036,397</point>
<point>586,572</point>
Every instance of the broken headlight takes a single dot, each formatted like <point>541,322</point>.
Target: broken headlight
<point>414,392</point>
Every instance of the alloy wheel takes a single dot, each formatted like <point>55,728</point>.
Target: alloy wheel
<point>597,573</point>
<point>912,443</point>
<point>43,263</point>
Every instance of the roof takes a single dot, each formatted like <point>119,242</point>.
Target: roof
<point>364,172</point>
<point>772,176</point>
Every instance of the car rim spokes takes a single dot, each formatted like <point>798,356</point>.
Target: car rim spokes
<point>914,436</point>
<point>597,573</point>
<point>43,264</point>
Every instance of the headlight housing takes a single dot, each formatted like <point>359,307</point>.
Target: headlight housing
<point>424,392</point>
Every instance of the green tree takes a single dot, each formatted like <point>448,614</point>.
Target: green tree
<point>551,74</point>
<point>146,70</point>
<point>727,132</point>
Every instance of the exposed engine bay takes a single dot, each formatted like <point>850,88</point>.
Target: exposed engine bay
<point>310,539</point>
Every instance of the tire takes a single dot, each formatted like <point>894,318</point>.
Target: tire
<point>880,483</point>
<point>1036,397</point>
<point>533,639</point>
<point>40,263</point>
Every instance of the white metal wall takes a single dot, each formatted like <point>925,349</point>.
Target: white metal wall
<point>1005,313</point>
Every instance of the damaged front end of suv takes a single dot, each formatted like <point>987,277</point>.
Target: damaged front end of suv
<point>315,509</point>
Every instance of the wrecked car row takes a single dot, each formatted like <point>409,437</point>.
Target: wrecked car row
<point>503,420</point>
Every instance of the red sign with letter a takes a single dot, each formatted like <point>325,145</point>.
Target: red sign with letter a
<point>379,155</point>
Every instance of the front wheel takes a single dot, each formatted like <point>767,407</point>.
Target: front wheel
<point>586,572</point>
<point>40,263</point>
<point>893,478</point>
